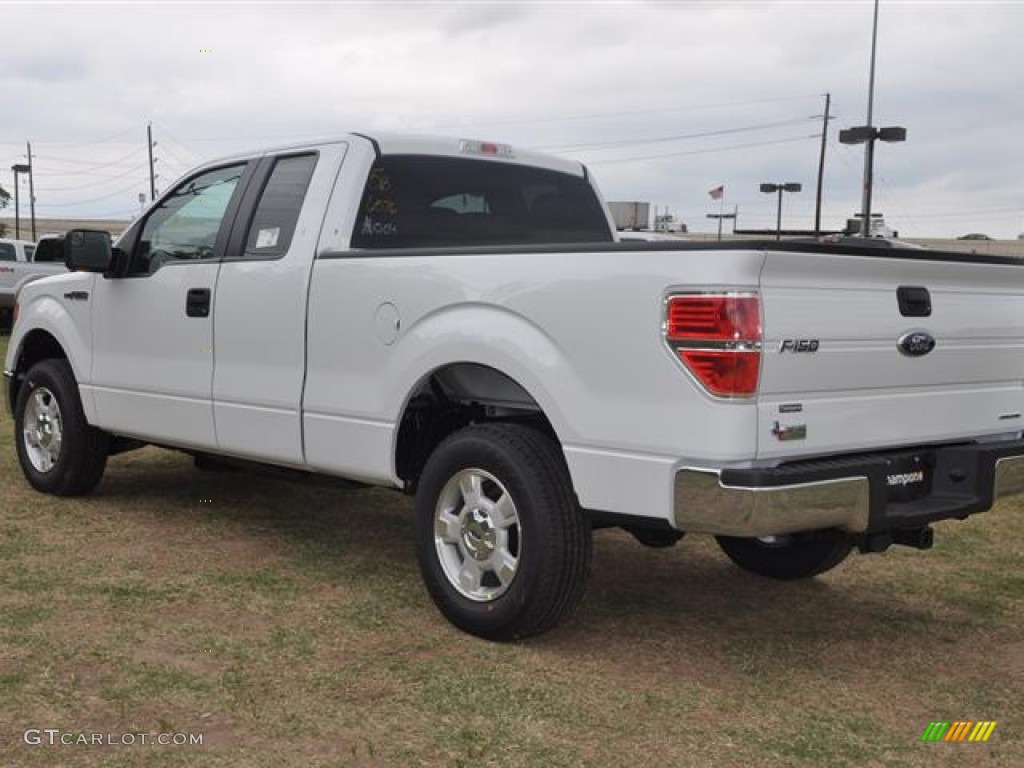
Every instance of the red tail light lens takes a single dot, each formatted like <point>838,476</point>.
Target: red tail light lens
<point>717,337</point>
<point>726,374</point>
<point>714,318</point>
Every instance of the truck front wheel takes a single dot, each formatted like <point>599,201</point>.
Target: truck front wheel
<point>790,556</point>
<point>503,546</point>
<point>58,451</point>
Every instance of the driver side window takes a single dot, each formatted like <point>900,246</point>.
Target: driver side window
<point>184,227</point>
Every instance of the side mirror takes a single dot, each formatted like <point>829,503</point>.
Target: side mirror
<point>87,250</point>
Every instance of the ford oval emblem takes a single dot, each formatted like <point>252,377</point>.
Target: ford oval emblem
<point>916,343</point>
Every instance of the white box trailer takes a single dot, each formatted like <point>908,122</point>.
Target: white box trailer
<point>631,215</point>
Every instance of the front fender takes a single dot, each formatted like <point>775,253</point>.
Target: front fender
<point>43,309</point>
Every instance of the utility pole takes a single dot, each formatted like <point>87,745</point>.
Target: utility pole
<point>31,189</point>
<point>152,175</point>
<point>821,166</point>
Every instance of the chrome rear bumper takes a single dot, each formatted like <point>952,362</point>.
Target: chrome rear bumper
<point>851,494</point>
<point>703,504</point>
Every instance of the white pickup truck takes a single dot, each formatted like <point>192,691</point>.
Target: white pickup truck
<point>455,319</point>
<point>22,261</point>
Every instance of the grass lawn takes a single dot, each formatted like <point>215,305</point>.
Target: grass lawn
<point>285,622</point>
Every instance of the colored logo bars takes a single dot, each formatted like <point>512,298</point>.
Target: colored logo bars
<point>961,730</point>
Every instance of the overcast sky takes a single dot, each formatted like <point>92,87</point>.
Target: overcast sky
<point>663,100</point>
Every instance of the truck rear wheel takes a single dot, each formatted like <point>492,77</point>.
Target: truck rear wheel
<point>790,556</point>
<point>58,451</point>
<point>503,546</point>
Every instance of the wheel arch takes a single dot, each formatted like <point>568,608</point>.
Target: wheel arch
<point>454,395</point>
<point>46,329</point>
<point>495,363</point>
<point>36,345</point>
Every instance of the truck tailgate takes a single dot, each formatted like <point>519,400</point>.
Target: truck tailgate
<point>834,378</point>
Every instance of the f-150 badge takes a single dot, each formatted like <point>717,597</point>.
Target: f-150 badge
<point>799,346</point>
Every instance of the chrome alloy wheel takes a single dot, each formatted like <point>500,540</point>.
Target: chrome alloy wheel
<point>43,430</point>
<point>477,535</point>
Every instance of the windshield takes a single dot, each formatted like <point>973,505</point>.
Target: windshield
<point>418,201</point>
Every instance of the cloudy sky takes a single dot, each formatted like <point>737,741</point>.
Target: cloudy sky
<point>662,100</point>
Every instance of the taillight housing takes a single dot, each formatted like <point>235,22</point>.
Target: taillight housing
<point>717,337</point>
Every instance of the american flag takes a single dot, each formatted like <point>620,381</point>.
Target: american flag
<point>717,192</point>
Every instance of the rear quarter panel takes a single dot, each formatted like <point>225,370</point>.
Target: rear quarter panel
<point>580,331</point>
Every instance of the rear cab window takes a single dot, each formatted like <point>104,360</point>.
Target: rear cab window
<point>7,252</point>
<point>415,201</point>
<point>277,213</point>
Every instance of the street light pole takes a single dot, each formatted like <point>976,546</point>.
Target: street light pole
<point>869,147</point>
<point>721,216</point>
<point>18,168</point>
<point>778,217</point>
<point>789,186</point>
<point>17,210</point>
<point>31,190</point>
<point>868,135</point>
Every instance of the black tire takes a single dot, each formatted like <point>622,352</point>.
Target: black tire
<point>550,539</point>
<point>791,557</point>
<point>76,464</point>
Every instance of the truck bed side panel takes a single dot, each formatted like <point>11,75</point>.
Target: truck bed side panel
<point>580,331</point>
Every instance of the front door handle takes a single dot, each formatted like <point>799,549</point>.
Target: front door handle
<point>197,303</point>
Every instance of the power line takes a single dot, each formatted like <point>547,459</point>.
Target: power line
<point>85,143</point>
<point>703,151</point>
<point>134,185</point>
<point>168,135</point>
<point>136,169</point>
<point>641,112</point>
<point>597,146</point>
<point>178,161</point>
<point>90,163</point>
<point>90,170</point>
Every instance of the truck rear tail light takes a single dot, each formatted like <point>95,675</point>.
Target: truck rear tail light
<point>717,337</point>
<point>714,317</point>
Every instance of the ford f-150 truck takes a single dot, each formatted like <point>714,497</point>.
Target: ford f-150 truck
<point>454,318</point>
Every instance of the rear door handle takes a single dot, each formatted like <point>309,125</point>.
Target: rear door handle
<point>197,303</point>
